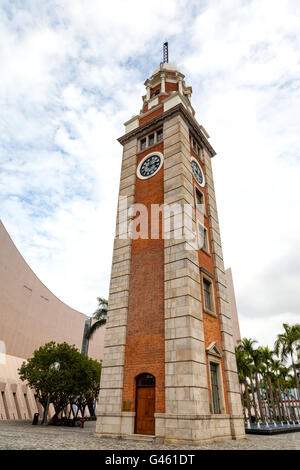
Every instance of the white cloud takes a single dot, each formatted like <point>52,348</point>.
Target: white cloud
<point>265,330</point>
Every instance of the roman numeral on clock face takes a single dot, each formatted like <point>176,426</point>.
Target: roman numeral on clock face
<point>150,166</point>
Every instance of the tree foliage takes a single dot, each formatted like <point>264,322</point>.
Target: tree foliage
<point>268,388</point>
<point>99,315</point>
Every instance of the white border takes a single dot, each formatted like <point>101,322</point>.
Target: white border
<point>145,158</point>
<point>203,182</point>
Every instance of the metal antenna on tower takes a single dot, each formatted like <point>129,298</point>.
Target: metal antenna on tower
<point>165,52</point>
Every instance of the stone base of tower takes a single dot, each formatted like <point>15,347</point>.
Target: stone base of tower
<point>115,425</point>
<point>190,429</point>
<point>174,429</point>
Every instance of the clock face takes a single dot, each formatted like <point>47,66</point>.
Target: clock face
<point>197,172</point>
<point>150,165</point>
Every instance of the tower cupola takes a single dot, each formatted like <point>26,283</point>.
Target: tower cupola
<point>166,82</point>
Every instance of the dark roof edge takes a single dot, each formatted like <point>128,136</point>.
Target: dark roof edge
<point>178,109</point>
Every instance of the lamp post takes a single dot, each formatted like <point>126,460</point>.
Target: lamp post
<point>54,366</point>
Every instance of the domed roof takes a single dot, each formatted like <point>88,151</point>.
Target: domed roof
<point>166,66</point>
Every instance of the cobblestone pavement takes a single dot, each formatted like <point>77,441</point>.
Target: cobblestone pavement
<point>21,435</point>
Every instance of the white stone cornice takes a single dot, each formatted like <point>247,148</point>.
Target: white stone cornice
<point>166,115</point>
<point>214,350</point>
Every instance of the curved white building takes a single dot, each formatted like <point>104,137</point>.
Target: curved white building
<point>30,316</point>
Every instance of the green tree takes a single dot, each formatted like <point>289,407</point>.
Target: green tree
<point>243,365</point>
<point>276,369</point>
<point>256,356</point>
<point>100,315</point>
<point>89,385</point>
<point>268,357</point>
<point>92,393</point>
<point>248,346</point>
<point>75,377</point>
<point>285,346</point>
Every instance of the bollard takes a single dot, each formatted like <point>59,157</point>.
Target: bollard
<point>35,418</point>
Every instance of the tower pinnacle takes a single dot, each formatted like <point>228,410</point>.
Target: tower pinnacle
<point>165,52</point>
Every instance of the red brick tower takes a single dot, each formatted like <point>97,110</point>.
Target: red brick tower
<point>169,367</point>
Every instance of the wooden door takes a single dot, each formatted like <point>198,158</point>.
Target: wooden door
<point>145,407</point>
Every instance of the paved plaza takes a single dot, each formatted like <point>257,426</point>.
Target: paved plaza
<point>22,435</point>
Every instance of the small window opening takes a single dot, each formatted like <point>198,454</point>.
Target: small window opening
<point>143,144</point>
<point>159,135</point>
<point>151,139</point>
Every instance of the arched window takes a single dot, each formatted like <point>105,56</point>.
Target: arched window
<point>145,380</point>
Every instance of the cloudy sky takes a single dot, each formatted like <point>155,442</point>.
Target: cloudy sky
<point>72,72</point>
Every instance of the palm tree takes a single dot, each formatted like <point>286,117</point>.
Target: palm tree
<point>264,391</point>
<point>99,315</point>
<point>267,357</point>
<point>284,346</point>
<point>276,369</point>
<point>243,363</point>
<point>285,380</point>
<point>257,362</point>
<point>247,346</point>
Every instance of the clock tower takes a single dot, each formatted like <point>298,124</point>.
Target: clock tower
<point>169,368</point>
